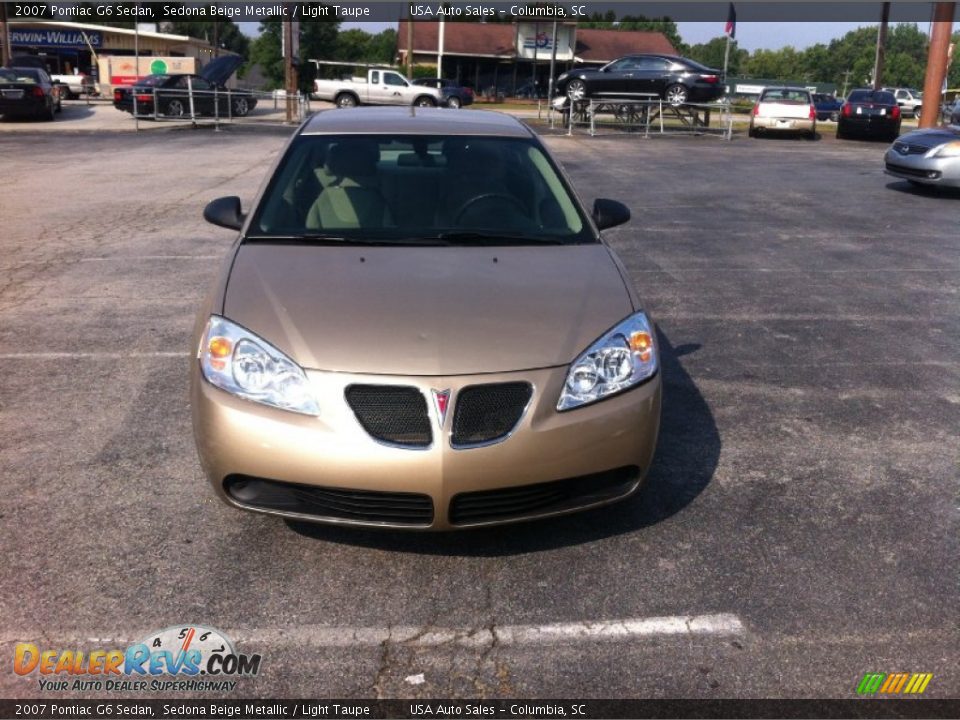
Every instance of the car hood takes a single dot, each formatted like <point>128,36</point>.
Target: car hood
<point>426,310</point>
<point>219,70</point>
<point>930,138</point>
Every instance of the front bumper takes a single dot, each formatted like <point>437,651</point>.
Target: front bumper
<point>615,437</point>
<point>919,168</point>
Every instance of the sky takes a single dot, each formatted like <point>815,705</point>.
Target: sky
<point>750,35</point>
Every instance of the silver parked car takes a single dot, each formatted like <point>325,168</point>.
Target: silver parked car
<point>927,157</point>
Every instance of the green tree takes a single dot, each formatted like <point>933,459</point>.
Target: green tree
<point>711,54</point>
<point>230,37</point>
<point>317,42</point>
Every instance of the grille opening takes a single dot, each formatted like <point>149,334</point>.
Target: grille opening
<point>323,502</point>
<point>395,414</point>
<point>530,500</point>
<point>485,413</point>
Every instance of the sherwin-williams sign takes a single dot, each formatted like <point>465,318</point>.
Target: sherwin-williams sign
<point>40,37</point>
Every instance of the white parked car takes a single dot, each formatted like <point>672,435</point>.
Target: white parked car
<point>784,109</point>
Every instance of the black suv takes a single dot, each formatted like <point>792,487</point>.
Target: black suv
<point>674,79</point>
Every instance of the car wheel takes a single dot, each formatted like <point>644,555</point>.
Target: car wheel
<point>576,89</point>
<point>454,102</point>
<point>834,116</point>
<point>346,100</point>
<point>752,132</point>
<point>241,106</point>
<point>174,109</point>
<point>676,95</point>
<point>917,111</point>
<point>425,101</point>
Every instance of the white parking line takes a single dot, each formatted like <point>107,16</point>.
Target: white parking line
<point>721,624</point>
<point>122,258</point>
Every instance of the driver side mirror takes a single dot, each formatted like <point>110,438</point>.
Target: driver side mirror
<point>224,212</point>
<point>609,213</point>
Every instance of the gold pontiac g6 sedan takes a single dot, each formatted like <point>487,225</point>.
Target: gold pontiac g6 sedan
<point>420,327</point>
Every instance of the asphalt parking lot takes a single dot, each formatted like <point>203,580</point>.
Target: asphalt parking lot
<point>799,527</point>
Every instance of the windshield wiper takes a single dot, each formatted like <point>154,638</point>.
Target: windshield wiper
<point>466,237</point>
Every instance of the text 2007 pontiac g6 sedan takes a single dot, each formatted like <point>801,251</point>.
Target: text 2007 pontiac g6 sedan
<point>420,326</point>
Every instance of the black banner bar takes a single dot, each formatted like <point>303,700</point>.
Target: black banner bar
<point>461,10</point>
<point>190,709</point>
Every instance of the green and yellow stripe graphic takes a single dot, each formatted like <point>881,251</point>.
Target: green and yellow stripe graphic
<point>894,683</point>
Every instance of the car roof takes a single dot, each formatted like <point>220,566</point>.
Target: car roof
<point>786,87</point>
<point>414,121</point>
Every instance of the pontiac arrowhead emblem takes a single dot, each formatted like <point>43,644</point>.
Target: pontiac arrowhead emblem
<point>441,401</point>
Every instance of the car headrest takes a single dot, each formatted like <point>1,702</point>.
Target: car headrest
<point>353,158</point>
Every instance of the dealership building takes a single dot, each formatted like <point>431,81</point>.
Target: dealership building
<point>100,50</point>
<point>513,56</point>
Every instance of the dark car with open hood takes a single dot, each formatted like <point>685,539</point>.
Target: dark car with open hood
<point>182,95</point>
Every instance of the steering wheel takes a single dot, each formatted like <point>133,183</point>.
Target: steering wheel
<point>500,197</point>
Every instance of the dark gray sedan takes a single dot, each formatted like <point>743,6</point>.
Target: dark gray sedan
<point>926,157</point>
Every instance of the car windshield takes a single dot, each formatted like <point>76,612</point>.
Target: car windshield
<point>414,189</point>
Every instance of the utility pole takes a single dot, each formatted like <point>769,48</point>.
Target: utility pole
<point>409,45</point>
<point>5,53</point>
<point>846,81</point>
<point>553,63</point>
<point>881,47</point>
<point>936,63</point>
<point>290,80</point>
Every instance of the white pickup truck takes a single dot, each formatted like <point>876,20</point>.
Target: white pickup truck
<point>379,87</point>
<point>77,85</point>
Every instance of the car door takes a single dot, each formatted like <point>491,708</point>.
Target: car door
<point>657,76</point>
<point>616,78</point>
<point>397,90</point>
<point>203,100</point>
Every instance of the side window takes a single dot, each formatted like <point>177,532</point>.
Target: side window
<point>201,84</point>
<point>375,77</point>
<point>901,94</point>
<point>657,65</point>
<point>393,79</point>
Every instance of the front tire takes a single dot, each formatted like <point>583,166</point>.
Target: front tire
<point>576,90</point>
<point>241,106</point>
<point>676,95</point>
<point>834,116</point>
<point>454,102</point>
<point>346,100</point>
<point>425,101</point>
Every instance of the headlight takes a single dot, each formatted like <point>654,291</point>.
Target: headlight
<point>624,357</point>
<point>247,366</point>
<point>950,149</point>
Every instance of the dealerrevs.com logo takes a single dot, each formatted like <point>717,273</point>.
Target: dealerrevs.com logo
<point>188,658</point>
